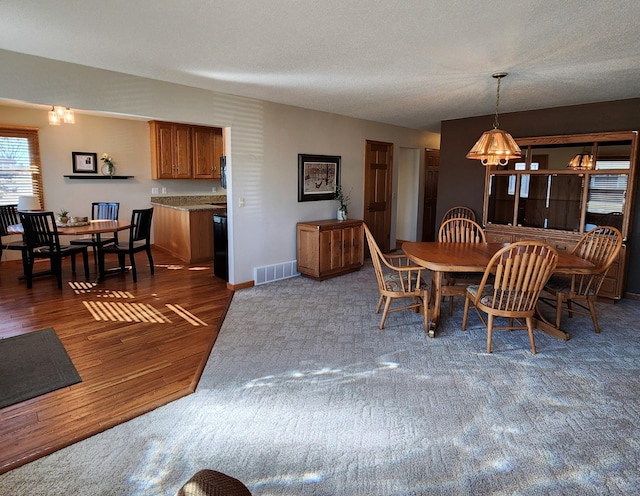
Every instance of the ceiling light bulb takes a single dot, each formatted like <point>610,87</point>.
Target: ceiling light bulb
<point>54,118</point>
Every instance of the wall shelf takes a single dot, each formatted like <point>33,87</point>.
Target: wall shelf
<point>87,176</point>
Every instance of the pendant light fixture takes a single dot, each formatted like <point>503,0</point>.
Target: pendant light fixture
<point>54,118</point>
<point>58,115</point>
<point>495,147</point>
<point>582,161</point>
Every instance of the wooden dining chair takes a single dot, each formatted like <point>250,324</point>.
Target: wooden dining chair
<point>9,217</point>
<point>599,246</point>
<point>511,286</point>
<point>43,241</point>
<point>457,212</point>
<point>459,230</point>
<point>100,211</point>
<point>139,240</point>
<point>398,278</point>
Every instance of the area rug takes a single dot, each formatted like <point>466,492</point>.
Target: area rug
<point>33,364</point>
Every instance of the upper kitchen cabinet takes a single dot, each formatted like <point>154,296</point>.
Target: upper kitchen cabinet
<point>183,151</point>
<point>170,150</point>
<point>207,150</point>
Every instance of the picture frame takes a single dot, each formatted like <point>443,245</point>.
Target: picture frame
<point>318,177</point>
<point>85,162</point>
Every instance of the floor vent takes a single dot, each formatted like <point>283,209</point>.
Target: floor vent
<point>275,272</point>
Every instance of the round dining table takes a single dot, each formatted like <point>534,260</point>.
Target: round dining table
<point>440,258</point>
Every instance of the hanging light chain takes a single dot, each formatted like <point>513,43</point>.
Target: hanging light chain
<point>498,76</point>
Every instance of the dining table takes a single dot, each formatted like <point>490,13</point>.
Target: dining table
<point>443,257</point>
<point>93,227</point>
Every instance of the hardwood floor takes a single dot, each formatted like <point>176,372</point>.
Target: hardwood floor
<point>136,347</point>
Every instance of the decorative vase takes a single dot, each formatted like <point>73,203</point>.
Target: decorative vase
<point>342,214</point>
<point>63,219</point>
<point>108,170</point>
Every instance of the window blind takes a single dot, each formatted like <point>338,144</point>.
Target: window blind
<point>20,167</point>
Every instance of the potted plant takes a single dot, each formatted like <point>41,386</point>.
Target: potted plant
<point>344,201</point>
<point>63,216</point>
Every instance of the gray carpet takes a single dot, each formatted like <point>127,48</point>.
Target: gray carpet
<point>33,364</point>
<point>304,395</point>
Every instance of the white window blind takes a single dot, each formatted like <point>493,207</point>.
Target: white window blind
<point>607,193</point>
<point>20,168</point>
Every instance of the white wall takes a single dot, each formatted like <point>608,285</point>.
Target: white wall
<point>264,139</point>
<point>408,188</point>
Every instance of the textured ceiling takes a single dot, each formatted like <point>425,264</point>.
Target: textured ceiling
<point>412,62</point>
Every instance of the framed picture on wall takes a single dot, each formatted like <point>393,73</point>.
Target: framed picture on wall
<point>318,177</point>
<point>85,162</point>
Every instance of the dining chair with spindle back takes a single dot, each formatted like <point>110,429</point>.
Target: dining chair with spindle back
<point>100,211</point>
<point>511,286</point>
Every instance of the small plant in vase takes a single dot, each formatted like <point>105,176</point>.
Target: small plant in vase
<point>108,168</point>
<point>344,201</point>
<point>63,216</point>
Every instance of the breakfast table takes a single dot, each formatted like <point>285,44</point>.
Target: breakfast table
<point>93,227</point>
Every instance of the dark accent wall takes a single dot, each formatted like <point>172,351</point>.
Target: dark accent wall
<point>461,181</point>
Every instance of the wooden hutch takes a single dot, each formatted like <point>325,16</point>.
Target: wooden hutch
<point>541,197</point>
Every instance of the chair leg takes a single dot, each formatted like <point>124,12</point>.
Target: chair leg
<point>57,261</point>
<point>592,309</point>
<point>25,261</point>
<point>450,305</point>
<point>530,331</point>
<point>150,259</point>
<point>134,272</point>
<point>73,263</point>
<point>379,304</point>
<point>28,266</point>
<point>121,261</point>
<point>387,304</point>
<point>489,332</point>
<point>100,265</point>
<point>85,259</point>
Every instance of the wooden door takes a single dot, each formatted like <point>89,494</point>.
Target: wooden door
<point>431,170</point>
<point>378,175</point>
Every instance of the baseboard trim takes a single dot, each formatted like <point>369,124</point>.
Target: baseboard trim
<point>242,285</point>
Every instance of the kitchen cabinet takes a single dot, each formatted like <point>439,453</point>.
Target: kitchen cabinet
<point>183,151</point>
<point>184,233</point>
<point>170,150</point>
<point>328,248</point>
<point>541,197</point>
<point>207,148</point>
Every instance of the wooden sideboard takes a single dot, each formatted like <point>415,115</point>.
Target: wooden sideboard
<point>329,248</point>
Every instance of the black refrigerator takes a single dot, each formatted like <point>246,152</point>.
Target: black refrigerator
<point>220,258</point>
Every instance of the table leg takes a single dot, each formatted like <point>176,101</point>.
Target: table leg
<point>545,326</point>
<point>436,297</point>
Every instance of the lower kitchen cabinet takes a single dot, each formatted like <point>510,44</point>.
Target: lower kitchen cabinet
<point>328,248</point>
<point>185,234</point>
